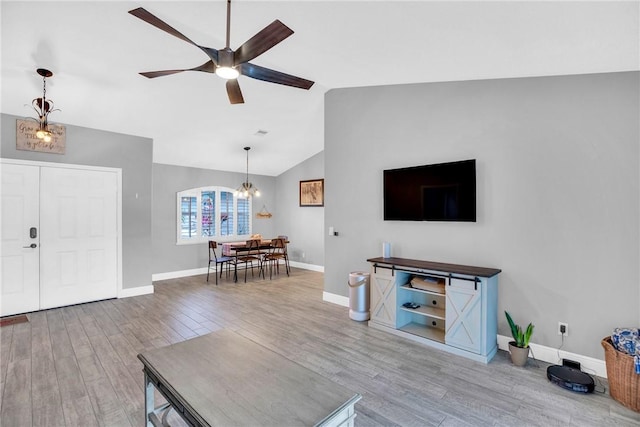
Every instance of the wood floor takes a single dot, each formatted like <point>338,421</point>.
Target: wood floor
<point>77,366</point>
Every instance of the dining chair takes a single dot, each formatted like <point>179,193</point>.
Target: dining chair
<point>286,252</point>
<point>217,261</point>
<point>249,254</point>
<point>277,252</point>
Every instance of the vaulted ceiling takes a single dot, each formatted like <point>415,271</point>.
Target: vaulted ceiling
<point>97,49</point>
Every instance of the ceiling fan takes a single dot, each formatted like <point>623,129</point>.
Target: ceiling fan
<point>228,63</point>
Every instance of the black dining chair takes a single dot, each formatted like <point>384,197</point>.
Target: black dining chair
<point>277,252</point>
<point>217,261</point>
<point>248,254</point>
<point>286,254</point>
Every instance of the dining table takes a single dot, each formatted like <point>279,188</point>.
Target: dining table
<point>236,249</point>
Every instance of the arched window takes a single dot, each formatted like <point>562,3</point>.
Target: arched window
<point>212,213</point>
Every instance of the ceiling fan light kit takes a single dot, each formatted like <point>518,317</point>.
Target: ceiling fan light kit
<point>225,68</point>
<point>229,64</point>
<point>227,73</point>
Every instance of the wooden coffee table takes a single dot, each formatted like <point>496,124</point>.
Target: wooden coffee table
<point>223,378</point>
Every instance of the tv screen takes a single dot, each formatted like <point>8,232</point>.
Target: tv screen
<point>439,192</point>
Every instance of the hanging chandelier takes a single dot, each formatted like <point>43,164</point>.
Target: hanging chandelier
<point>247,189</point>
<point>43,107</point>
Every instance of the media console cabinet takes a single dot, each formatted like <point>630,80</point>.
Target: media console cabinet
<point>457,304</point>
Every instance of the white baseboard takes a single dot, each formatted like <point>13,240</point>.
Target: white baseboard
<point>197,271</point>
<point>335,299</point>
<point>134,292</point>
<point>553,355</point>
<point>312,267</point>
<point>178,274</point>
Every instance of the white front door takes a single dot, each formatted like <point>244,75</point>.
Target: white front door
<point>79,236</point>
<point>59,234</point>
<point>20,236</point>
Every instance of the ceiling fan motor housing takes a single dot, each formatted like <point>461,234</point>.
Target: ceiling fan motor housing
<point>225,58</point>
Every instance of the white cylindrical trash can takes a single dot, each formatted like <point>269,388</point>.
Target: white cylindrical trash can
<point>359,295</point>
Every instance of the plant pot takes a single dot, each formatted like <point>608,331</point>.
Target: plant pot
<point>519,355</point>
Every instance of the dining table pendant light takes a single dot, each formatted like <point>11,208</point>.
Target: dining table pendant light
<point>43,108</point>
<point>247,189</point>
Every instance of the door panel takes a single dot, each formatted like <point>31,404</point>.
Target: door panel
<point>463,316</point>
<point>20,262</point>
<point>79,238</point>
<point>383,297</point>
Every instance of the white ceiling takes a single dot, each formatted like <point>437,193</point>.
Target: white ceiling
<point>96,50</point>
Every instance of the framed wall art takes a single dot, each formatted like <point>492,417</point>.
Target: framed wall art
<point>312,192</point>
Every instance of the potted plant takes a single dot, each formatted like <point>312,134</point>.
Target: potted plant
<point>519,348</point>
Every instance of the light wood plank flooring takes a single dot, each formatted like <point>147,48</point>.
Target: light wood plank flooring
<point>77,366</point>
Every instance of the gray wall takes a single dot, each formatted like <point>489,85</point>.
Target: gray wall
<point>168,180</point>
<point>557,191</point>
<point>303,225</point>
<point>133,155</point>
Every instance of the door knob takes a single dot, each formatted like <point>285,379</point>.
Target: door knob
<point>32,246</point>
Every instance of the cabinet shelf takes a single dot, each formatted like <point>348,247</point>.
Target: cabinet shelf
<point>410,288</point>
<point>424,331</point>
<point>427,311</point>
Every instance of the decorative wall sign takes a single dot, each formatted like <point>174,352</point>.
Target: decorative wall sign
<point>312,192</point>
<point>264,213</point>
<point>26,138</point>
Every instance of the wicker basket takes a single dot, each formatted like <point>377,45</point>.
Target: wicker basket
<point>624,383</point>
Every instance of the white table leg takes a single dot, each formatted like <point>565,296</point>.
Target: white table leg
<point>149,403</point>
<point>150,411</point>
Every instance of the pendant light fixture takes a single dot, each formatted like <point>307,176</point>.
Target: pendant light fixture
<point>43,107</point>
<point>247,189</point>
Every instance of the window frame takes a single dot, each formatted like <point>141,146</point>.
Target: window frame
<point>199,238</point>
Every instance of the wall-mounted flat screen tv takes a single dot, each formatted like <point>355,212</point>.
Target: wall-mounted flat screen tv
<point>438,192</point>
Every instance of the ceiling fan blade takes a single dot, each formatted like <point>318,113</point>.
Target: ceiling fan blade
<point>272,76</point>
<point>150,18</point>
<point>207,67</point>
<point>234,92</point>
<point>154,74</point>
<point>267,38</point>
<point>211,53</point>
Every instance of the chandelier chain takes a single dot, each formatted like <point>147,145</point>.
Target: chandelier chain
<point>247,188</point>
<point>247,166</point>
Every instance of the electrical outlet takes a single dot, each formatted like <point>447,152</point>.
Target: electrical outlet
<point>563,329</point>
